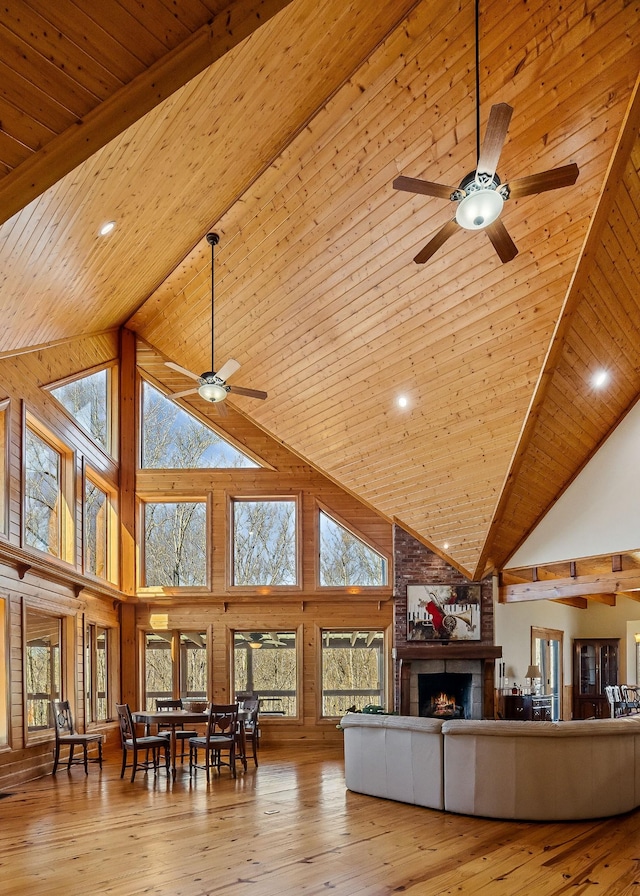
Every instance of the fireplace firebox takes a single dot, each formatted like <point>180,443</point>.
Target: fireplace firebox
<point>445,695</point>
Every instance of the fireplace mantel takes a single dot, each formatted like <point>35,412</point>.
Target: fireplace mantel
<point>460,650</point>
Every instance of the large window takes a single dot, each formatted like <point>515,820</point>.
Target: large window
<point>43,666</point>
<point>176,665</point>
<point>175,544</point>
<point>172,439</point>
<point>264,542</point>
<point>352,670</point>
<point>345,559</point>
<point>87,400</point>
<point>97,673</point>
<point>266,663</point>
<point>96,530</point>
<point>43,495</point>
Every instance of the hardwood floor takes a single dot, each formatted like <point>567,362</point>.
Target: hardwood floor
<point>288,827</point>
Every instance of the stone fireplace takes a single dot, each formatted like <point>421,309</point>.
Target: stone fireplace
<point>447,689</point>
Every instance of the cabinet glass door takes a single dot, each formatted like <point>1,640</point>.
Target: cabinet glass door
<point>588,677</point>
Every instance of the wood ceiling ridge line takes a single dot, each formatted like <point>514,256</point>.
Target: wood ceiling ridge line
<point>598,222</point>
<point>146,90</point>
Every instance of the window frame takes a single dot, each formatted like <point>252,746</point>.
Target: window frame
<point>66,490</point>
<point>5,676</point>
<point>67,669</point>
<point>340,521</point>
<point>111,449</point>
<point>91,630</point>
<point>385,690</point>
<point>298,631</point>
<point>162,498</point>
<point>111,522</point>
<point>238,446</point>
<point>264,589</point>
<point>175,649</point>
<point>5,456</point>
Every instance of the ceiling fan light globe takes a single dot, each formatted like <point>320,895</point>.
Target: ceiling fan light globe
<point>212,392</point>
<point>479,209</point>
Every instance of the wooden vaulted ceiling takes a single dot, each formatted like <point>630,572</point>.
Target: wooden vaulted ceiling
<point>282,125</point>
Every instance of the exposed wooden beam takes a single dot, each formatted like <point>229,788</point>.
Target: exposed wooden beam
<point>580,586</point>
<point>73,146</point>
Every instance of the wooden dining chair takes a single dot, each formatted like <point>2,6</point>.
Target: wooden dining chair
<point>66,735</point>
<point>220,737</point>
<point>182,735</point>
<point>251,705</point>
<point>131,743</point>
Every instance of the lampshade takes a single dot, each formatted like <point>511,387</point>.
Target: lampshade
<point>212,392</point>
<point>533,672</point>
<point>479,209</point>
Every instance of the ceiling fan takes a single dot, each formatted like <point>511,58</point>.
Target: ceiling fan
<point>480,196</point>
<point>213,385</point>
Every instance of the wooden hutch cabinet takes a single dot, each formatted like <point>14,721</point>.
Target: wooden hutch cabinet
<point>595,665</point>
<point>528,707</point>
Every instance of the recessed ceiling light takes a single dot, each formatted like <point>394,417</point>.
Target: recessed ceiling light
<point>600,378</point>
<point>107,228</point>
<point>403,401</point>
<point>446,545</point>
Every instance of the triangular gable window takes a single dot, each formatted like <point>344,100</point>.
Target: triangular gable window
<point>87,400</point>
<point>346,560</point>
<point>172,439</point>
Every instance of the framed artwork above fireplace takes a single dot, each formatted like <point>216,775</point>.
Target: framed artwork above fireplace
<point>443,612</point>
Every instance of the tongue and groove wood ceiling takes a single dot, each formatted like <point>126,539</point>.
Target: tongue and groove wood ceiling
<point>282,125</point>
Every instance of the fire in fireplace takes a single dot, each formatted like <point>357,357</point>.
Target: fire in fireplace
<point>445,695</point>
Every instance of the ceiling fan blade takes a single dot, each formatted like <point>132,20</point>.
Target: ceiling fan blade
<point>496,134</point>
<point>194,376</point>
<point>502,242</point>
<point>553,179</point>
<point>426,187</point>
<point>221,408</point>
<point>435,242</point>
<point>183,394</point>
<point>228,369</point>
<point>252,393</point>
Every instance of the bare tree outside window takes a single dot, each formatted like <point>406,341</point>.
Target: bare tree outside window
<point>175,544</point>
<point>87,400</point>
<point>264,542</point>
<point>193,664</point>
<point>43,493</point>
<point>95,530</point>
<point>43,666</point>
<point>352,670</point>
<point>346,559</point>
<point>266,663</point>
<point>174,440</point>
<point>158,668</point>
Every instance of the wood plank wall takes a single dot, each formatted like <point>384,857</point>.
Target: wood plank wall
<point>61,588</point>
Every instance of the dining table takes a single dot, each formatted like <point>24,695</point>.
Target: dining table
<point>177,719</point>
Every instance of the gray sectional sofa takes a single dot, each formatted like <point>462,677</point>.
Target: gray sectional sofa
<point>539,771</point>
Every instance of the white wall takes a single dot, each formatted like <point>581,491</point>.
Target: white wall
<point>513,623</point>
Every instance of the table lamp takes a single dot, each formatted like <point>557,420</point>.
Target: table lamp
<point>534,675</point>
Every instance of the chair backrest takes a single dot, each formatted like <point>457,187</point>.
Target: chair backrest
<point>223,720</point>
<point>62,718</point>
<point>252,707</point>
<point>165,705</point>
<point>127,728</point>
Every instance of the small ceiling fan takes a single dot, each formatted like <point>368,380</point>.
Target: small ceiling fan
<point>481,196</point>
<point>213,385</point>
